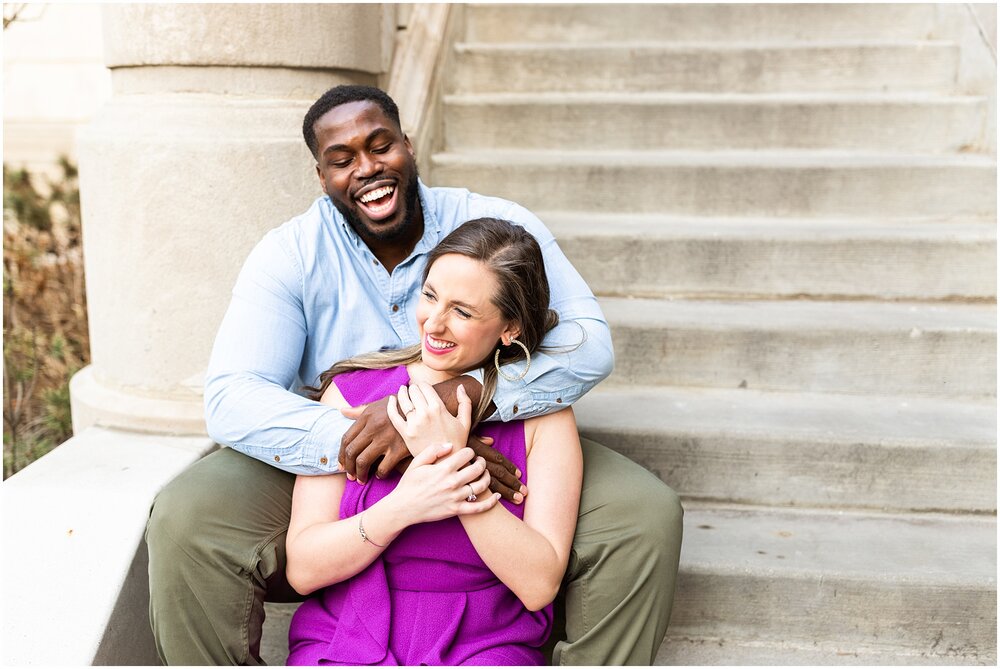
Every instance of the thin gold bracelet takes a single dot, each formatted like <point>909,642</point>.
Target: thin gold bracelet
<point>364,536</point>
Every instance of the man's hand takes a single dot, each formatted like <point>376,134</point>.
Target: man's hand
<point>371,437</point>
<point>504,476</point>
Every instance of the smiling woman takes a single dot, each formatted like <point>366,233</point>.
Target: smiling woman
<point>433,542</point>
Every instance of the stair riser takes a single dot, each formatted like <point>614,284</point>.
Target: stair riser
<point>938,620</point>
<point>700,125</point>
<point>820,359</point>
<point>683,22</point>
<point>889,268</point>
<point>931,67</point>
<point>733,190</point>
<point>783,471</point>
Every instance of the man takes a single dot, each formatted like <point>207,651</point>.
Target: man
<point>342,279</point>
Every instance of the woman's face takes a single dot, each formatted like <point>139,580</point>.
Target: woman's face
<point>458,322</point>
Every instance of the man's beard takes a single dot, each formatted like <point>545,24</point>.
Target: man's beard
<point>387,234</point>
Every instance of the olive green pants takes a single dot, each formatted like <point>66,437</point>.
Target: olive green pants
<point>216,538</point>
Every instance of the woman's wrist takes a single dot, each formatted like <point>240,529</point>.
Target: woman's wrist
<point>384,520</point>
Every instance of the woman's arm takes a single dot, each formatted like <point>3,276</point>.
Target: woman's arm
<point>544,538</point>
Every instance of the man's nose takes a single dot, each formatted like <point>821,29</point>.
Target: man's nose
<point>368,165</point>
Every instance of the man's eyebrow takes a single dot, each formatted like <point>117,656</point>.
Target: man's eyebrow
<point>368,140</point>
<point>470,307</point>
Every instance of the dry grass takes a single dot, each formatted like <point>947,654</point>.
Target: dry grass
<point>45,312</point>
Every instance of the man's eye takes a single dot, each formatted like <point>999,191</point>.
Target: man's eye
<point>340,163</point>
<point>381,149</point>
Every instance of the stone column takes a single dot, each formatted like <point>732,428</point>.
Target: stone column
<point>198,153</point>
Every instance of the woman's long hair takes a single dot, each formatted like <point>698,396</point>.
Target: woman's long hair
<point>515,258</point>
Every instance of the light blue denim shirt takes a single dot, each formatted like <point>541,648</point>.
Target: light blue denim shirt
<point>311,293</point>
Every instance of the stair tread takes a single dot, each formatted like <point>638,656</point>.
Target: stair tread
<point>778,158</point>
<point>701,45</point>
<point>817,417</point>
<point>939,549</point>
<point>785,315</point>
<point>640,98</point>
<point>568,224</point>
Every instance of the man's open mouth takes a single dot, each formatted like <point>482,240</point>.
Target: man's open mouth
<point>379,202</point>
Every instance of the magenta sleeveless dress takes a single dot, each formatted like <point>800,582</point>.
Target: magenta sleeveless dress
<point>429,599</point>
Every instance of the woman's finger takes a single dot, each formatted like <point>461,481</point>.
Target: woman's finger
<point>417,397</point>
<point>405,405</point>
<point>392,410</point>
<point>459,459</point>
<point>429,455</point>
<point>430,396</point>
<point>481,505</point>
<point>472,472</point>
<point>464,407</point>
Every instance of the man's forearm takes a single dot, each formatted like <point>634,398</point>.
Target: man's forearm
<point>274,425</point>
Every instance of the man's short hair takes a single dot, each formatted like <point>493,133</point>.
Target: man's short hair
<point>339,95</point>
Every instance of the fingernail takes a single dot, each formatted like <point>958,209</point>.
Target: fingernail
<point>518,473</point>
<point>518,498</point>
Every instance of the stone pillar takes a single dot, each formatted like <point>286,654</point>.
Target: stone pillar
<point>198,153</point>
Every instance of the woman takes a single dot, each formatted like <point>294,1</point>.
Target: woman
<point>428,567</point>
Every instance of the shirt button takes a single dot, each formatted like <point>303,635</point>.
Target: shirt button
<point>375,262</point>
<point>395,308</point>
<point>515,408</point>
<point>558,400</point>
<point>323,460</point>
<point>277,458</point>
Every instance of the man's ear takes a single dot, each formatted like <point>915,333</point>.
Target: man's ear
<point>322,183</point>
<point>409,146</point>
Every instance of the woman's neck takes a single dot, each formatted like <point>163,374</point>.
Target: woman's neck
<point>418,371</point>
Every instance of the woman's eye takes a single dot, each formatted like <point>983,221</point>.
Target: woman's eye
<point>462,313</point>
<point>428,295</point>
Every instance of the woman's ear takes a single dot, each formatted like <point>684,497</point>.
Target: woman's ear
<point>512,331</point>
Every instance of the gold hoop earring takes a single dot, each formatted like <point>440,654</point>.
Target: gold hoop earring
<point>527,361</point>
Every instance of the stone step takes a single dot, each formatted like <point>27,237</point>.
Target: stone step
<point>917,584</point>
<point>695,121</point>
<point>731,67</point>
<point>710,22</point>
<point>658,256</point>
<point>804,184</point>
<point>714,651</point>
<point>803,449</point>
<point>855,347</point>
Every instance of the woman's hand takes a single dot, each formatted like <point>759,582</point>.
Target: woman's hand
<point>439,483</point>
<point>422,419</point>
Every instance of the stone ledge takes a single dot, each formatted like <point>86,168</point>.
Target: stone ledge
<point>73,551</point>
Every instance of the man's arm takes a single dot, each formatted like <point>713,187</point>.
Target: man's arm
<point>255,360</point>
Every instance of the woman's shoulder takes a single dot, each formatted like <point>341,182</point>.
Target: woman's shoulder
<point>541,428</point>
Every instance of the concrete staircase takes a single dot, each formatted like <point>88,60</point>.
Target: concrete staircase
<point>788,219</point>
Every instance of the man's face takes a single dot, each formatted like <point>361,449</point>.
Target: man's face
<point>367,168</point>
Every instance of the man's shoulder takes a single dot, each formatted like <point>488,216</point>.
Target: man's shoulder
<point>303,228</point>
